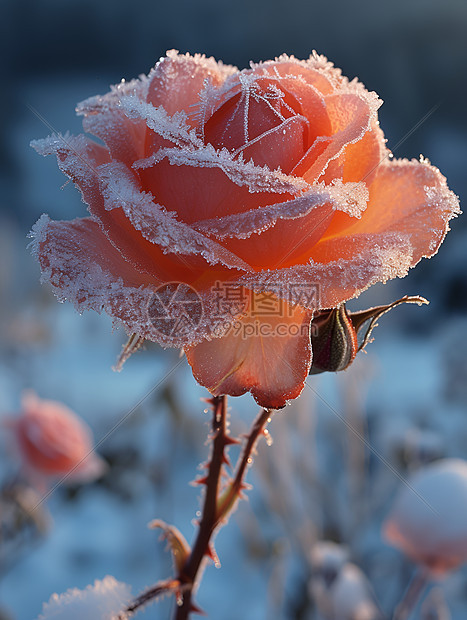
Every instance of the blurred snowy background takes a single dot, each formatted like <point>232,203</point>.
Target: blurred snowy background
<point>318,481</point>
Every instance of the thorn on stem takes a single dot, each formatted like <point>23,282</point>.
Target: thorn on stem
<point>231,441</point>
<point>196,609</point>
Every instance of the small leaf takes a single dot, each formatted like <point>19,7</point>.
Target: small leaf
<point>373,314</point>
<point>178,545</point>
<point>133,344</point>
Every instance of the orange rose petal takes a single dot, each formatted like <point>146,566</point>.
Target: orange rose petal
<point>310,71</point>
<point>202,192</point>
<point>120,189</point>
<point>104,119</point>
<point>67,252</point>
<point>308,87</point>
<point>272,367</point>
<point>359,161</point>
<point>284,234</point>
<point>242,118</point>
<point>351,115</point>
<point>281,147</point>
<point>178,79</point>
<point>84,268</point>
<point>263,123</point>
<point>369,259</point>
<point>80,159</point>
<point>280,245</point>
<point>406,197</point>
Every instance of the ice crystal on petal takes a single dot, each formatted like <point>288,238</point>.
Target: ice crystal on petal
<point>110,101</point>
<point>351,198</point>
<point>77,156</point>
<point>121,190</point>
<point>257,178</point>
<point>386,256</point>
<point>104,118</point>
<point>173,128</point>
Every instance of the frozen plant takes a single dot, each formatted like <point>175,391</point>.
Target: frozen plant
<point>104,600</point>
<point>232,214</point>
<point>339,588</point>
<point>428,523</point>
<point>53,442</point>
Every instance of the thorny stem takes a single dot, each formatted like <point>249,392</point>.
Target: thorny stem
<point>159,589</point>
<point>208,519</point>
<point>216,508</point>
<point>412,595</point>
<point>228,500</point>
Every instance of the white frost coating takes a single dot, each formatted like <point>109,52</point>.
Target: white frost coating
<point>173,128</point>
<point>102,601</point>
<point>104,118</point>
<point>386,256</point>
<point>111,100</point>
<point>83,272</point>
<point>442,199</point>
<point>76,156</point>
<point>120,190</point>
<point>323,66</point>
<point>432,530</point>
<point>207,63</point>
<point>351,198</point>
<point>257,178</point>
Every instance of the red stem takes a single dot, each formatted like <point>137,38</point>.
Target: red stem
<point>208,519</point>
<point>217,506</point>
<point>217,509</point>
<point>232,494</point>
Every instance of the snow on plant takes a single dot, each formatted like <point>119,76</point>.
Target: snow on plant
<point>102,601</point>
<point>428,523</point>
<point>232,214</point>
<point>339,587</point>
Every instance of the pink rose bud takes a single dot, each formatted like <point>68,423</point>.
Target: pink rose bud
<point>427,521</point>
<point>54,441</point>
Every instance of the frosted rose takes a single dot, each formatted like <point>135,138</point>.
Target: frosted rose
<point>270,187</point>
<point>54,441</point>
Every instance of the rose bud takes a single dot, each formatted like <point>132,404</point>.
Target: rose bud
<point>336,337</point>
<point>53,441</point>
<point>208,185</point>
<point>428,519</point>
<point>333,340</point>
